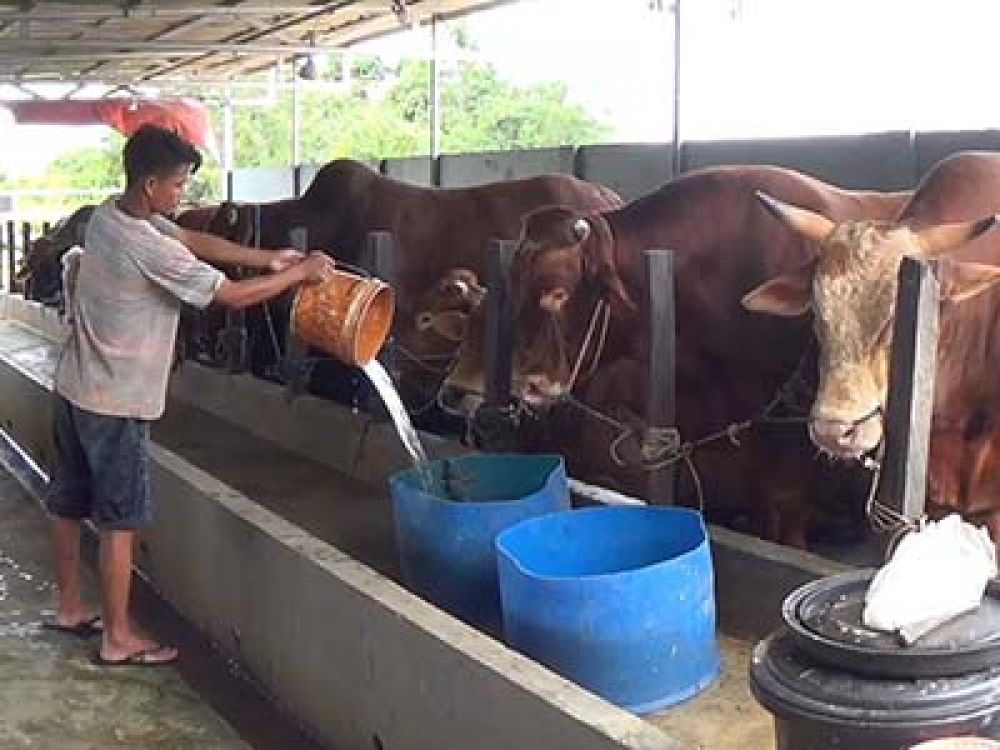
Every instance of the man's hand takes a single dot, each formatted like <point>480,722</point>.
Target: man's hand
<point>284,258</point>
<point>317,267</point>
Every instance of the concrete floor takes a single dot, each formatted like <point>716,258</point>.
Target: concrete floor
<point>726,716</point>
<point>52,697</point>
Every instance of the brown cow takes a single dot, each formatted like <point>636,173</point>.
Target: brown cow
<point>851,288</point>
<point>730,364</point>
<point>437,230</point>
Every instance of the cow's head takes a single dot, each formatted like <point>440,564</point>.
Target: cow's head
<point>564,264</point>
<point>851,289</point>
<point>442,314</point>
<point>228,220</point>
<point>41,269</point>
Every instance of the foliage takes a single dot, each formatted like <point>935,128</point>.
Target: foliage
<point>379,112</point>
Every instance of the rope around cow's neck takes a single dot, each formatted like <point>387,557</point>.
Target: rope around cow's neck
<point>660,447</point>
<point>602,311</point>
<point>882,518</point>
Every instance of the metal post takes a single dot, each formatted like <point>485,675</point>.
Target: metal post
<point>495,426</point>
<point>11,242</point>
<point>296,157</point>
<point>25,247</point>
<point>381,255</point>
<point>296,370</point>
<point>677,89</point>
<point>435,93</point>
<point>661,401</point>
<point>227,146</point>
<point>911,390</point>
<point>235,341</point>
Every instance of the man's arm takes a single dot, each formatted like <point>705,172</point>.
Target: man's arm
<point>221,252</point>
<point>239,294</point>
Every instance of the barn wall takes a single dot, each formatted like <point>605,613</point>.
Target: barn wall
<point>933,147</point>
<point>259,184</point>
<point>461,170</point>
<point>631,170</point>
<point>875,161</point>
<point>417,169</point>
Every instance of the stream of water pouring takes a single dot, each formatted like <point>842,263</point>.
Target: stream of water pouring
<point>397,411</point>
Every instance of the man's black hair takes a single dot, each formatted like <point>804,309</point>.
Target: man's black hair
<point>153,152</point>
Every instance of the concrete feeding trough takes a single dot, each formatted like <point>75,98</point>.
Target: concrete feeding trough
<point>275,539</point>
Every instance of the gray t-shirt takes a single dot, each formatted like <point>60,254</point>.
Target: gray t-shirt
<point>132,278</point>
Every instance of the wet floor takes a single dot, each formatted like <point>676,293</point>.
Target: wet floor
<point>52,697</point>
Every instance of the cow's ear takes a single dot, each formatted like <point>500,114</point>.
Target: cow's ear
<point>788,295</point>
<point>450,325</point>
<point>961,280</point>
<point>599,264</point>
<point>943,238</point>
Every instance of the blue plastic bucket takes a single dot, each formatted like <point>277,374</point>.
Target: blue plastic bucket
<point>619,600</point>
<point>448,513</point>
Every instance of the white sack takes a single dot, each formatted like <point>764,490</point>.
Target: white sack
<point>70,270</point>
<point>935,574</point>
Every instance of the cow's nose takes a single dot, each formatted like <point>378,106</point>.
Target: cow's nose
<point>538,389</point>
<point>457,400</point>
<point>843,439</point>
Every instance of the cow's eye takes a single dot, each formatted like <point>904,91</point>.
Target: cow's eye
<point>977,424</point>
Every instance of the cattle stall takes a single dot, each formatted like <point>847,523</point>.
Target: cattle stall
<point>275,541</point>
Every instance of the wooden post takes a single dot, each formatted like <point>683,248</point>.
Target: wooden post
<point>910,402</point>
<point>661,400</point>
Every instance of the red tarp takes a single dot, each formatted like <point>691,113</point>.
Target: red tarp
<point>188,118</point>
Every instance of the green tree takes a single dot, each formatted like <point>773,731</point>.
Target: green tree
<point>383,113</point>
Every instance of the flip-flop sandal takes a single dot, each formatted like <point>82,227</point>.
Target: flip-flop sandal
<point>84,629</point>
<point>143,658</point>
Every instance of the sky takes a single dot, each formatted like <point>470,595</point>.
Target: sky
<point>750,68</point>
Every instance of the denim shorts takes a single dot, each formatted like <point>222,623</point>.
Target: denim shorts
<point>101,468</point>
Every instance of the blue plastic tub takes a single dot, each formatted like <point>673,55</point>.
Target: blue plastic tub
<point>619,600</point>
<point>445,532</point>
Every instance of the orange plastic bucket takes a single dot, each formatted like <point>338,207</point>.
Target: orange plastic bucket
<point>347,316</point>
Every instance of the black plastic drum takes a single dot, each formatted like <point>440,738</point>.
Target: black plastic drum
<point>824,618</point>
<point>820,707</point>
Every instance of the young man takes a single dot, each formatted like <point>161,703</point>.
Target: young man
<point>136,270</point>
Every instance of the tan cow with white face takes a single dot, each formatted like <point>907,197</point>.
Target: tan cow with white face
<point>851,289</point>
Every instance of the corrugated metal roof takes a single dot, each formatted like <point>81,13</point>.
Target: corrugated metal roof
<point>134,41</point>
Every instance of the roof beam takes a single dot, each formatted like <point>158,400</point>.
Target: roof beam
<point>99,13</point>
<point>166,48</point>
<point>176,30</point>
<point>326,10</point>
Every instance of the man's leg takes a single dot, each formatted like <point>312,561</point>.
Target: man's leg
<point>68,501</point>
<point>66,537</point>
<point>120,639</point>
